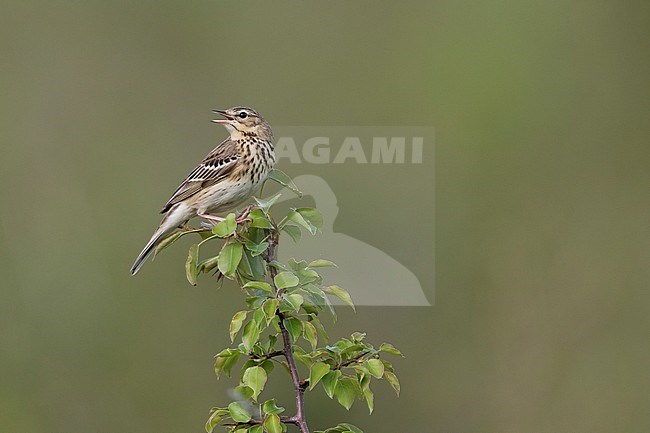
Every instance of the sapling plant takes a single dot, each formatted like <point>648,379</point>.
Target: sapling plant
<point>280,322</point>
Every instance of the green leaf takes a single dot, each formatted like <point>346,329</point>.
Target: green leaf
<point>388,366</point>
<point>285,279</point>
<point>271,407</point>
<point>243,392</point>
<point>295,300</point>
<point>310,308</point>
<point>296,265</point>
<point>167,242</point>
<point>277,265</point>
<point>229,258</point>
<point>236,323</point>
<point>254,268</point>
<point>260,318</point>
<point>270,307</point>
<point>341,294</point>
<point>345,392</point>
<point>294,326</point>
<point>342,428</point>
<point>215,417</point>
<point>316,373</point>
<point>272,423</point>
<point>285,306</point>
<point>363,375</point>
<point>330,308</point>
<point>283,179</point>
<point>248,364</point>
<point>293,231</point>
<point>261,285</point>
<point>389,348</point>
<point>340,346</point>
<point>227,227</point>
<point>350,428</point>
<point>308,218</point>
<point>267,365</point>
<point>225,361</point>
<point>370,399</point>
<point>250,336</point>
<point>393,381</point>
<point>330,380</point>
<point>301,356</point>
<point>320,328</point>
<point>255,378</point>
<point>312,216</point>
<point>256,249</point>
<point>267,203</point>
<point>191,270</point>
<point>270,343</point>
<point>310,334</point>
<point>256,429</point>
<point>255,301</point>
<point>322,263</point>
<point>353,351</point>
<point>375,367</point>
<point>317,295</point>
<point>208,264</point>
<point>306,276</point>
<point>259,220</point>
<point>238,412</point>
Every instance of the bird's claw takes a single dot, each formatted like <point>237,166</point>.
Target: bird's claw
<point>243,219</point>
<point>243,216</point>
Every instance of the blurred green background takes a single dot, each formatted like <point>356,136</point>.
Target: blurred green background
<point>541,205</point>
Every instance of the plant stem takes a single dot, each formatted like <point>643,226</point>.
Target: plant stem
<point>351,361</point>
<point>299,390</point>
<point>299,419</point>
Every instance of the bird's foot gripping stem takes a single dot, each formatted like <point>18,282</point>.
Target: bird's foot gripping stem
<point>243,216</point>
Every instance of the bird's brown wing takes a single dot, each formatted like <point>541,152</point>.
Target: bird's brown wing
<point>218,165</point>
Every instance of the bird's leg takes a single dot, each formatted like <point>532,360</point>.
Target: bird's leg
<point>213,219</point>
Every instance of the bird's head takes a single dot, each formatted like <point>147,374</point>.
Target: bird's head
<point>244,122</point>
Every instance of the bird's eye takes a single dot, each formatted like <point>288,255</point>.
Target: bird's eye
<point>243,115</point>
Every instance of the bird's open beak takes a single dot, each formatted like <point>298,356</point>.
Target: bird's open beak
<point>228,118</point>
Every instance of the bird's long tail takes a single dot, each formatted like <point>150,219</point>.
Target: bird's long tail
<point>177,216</point>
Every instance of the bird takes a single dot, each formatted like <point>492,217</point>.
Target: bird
<point>224,179</point>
